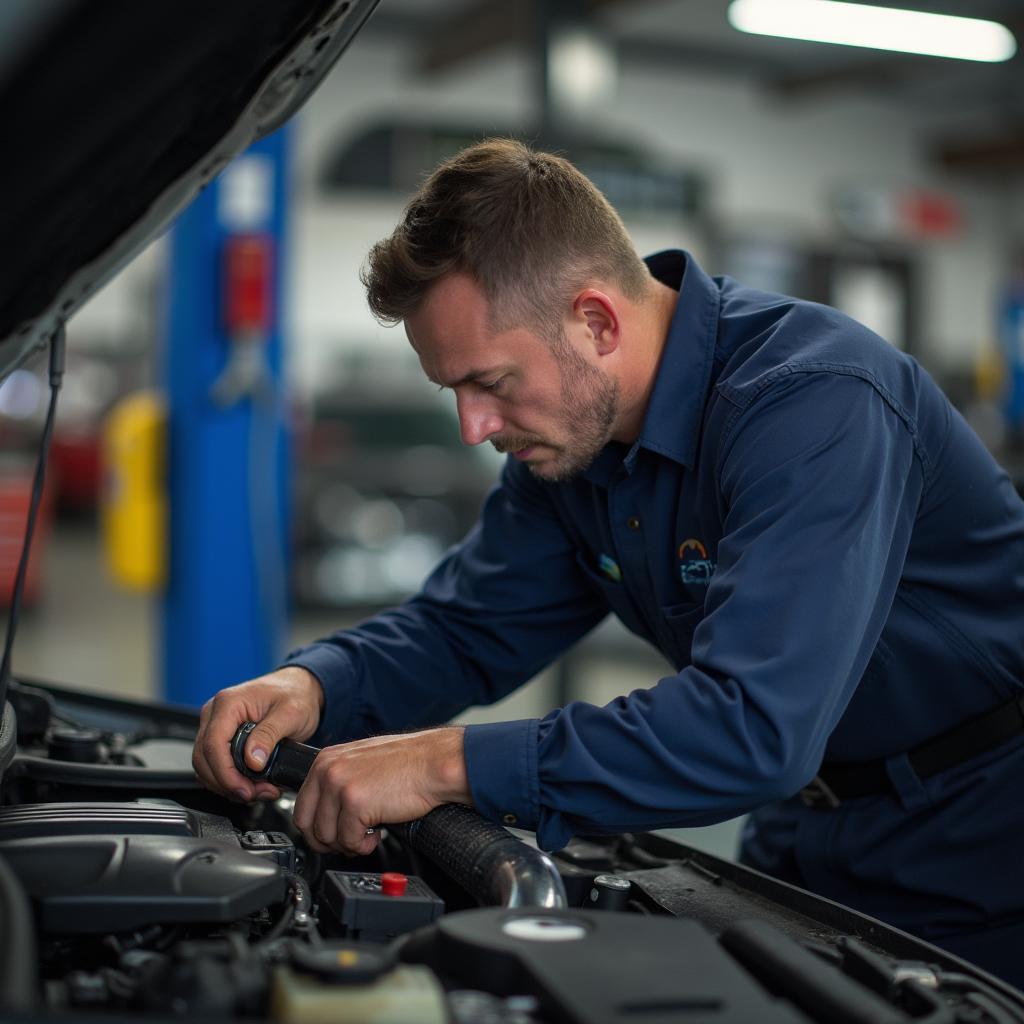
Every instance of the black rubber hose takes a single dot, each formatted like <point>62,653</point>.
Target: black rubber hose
<point>19,972</point>
<point>491,864</point>
<point>298,901</point>
<point>116,776</point>
<point>8,736</point>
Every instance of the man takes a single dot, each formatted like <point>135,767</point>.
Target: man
<point>782,503</point>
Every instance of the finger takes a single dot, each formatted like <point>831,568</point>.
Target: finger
<point>198,757</point>
<point>200,761</point>
<point>204,717</point>
<point>216,751</point>
<point>325,818</point>
<point>317,847</point>
<point>276,725</point>
<point>306,801</point>
<point>355,840</point>
<point>265,791</point>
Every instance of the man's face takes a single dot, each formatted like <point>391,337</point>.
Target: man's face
<point>546,404</point>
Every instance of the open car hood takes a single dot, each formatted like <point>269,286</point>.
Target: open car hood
<point>116,114</point>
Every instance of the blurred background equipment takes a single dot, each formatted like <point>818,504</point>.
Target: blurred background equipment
<point>1012,338</point>
<point>385,487</point>
<point>16,476</point>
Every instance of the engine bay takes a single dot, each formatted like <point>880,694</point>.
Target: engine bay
<point>128,890</point>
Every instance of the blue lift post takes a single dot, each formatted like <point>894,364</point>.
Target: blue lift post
<point>225,608</point>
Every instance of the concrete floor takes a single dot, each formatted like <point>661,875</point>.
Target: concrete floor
<point>86,632</point>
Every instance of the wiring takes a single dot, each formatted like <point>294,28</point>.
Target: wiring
<point>297,911</point>
<point>57,344</point>
<point>965,983</point>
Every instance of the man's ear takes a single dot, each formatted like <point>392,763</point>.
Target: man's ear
<point>596,311</point>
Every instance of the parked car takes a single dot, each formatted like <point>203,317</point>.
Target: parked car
<point>385,487</point>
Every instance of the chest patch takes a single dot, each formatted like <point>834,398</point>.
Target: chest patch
<point>694,565</point>
<point>610,568</point>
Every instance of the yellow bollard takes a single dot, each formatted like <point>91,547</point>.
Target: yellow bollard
<point>134,497</point>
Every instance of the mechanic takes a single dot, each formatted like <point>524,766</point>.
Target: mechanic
<point>785,505</point>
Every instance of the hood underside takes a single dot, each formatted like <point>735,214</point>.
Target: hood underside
<point>116,114</point>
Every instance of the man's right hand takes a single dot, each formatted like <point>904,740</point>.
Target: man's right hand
<point>285,703</point>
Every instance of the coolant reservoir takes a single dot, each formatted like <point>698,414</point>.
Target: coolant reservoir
<point>404,995</point>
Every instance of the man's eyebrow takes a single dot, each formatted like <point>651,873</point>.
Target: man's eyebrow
<point>467,379</point>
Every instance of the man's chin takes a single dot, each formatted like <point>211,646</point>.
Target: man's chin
<point>538,460</point>
<point>557,470</point>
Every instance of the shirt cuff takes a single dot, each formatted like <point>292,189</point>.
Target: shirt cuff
<point>501,767</point>
<point>337,675</point>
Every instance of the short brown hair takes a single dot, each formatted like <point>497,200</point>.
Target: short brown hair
<point>527,226</point>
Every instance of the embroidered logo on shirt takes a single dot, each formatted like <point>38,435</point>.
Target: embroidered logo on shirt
<point>694,565</point>
<point>610,568</point>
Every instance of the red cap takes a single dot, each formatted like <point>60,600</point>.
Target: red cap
<point>393,883</point>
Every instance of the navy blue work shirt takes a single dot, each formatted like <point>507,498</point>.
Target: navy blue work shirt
<point>806,529</point>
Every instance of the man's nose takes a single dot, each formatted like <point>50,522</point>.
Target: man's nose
<point>477,418</point>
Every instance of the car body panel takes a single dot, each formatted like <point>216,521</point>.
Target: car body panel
<point>117,114</point>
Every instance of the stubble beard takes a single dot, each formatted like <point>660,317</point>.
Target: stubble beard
<point>590,399</point>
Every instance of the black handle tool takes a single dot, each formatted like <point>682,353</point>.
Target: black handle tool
<point>287,764</point>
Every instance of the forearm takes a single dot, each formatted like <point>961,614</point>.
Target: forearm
<point>497,610</point>
<point>411,667</point>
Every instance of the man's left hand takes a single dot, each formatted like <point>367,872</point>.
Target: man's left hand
<point>356,786</point>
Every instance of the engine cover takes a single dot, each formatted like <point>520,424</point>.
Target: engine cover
<point>598,968</point>
<point>96,817</point>
<point>104,883</point>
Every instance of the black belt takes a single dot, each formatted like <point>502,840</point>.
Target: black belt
<point>847,780</point>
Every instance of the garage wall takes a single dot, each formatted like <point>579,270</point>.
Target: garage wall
<point>773,167</point>
<point>777,165</point>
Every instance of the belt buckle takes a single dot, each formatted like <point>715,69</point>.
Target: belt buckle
<point>818,795</point>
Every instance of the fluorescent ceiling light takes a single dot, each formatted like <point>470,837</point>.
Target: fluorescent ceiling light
<point>881,28</point>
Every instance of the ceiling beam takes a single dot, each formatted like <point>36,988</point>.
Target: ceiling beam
<point>881,73</point>
<point>483,28</point>
<point>1001,154</point>
<point>486,26</point>
<point>719,60</point>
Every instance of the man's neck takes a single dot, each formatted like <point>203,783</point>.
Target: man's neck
<point>653,319</point>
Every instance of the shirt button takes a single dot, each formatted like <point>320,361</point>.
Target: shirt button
<point>509,819</point>
<point>633,523</point>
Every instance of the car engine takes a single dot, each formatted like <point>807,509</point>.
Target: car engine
<point>128,890</point>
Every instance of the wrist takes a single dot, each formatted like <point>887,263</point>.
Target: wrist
<point>308,685</point>
<point>452,781</point>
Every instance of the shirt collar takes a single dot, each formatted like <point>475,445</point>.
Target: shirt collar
<point>672,422</point>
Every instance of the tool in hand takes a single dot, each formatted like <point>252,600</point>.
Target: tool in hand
<point>287,765</point>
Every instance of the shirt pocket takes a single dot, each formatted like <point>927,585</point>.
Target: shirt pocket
<point>616,596</point>
<point>675,631</point>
